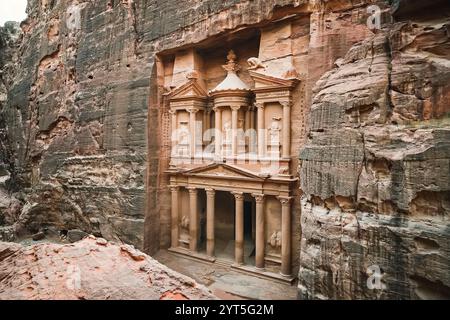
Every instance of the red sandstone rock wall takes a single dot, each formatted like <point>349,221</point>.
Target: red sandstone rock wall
<point>375,170</point>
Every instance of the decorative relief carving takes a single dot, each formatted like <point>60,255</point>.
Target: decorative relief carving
<point>185,222</point>
<point>255,63</point>
<point>283,171</point>
<point>193,74</point>
<point>275,240</point>
<point>274,131</point>
<point>183,140</point>
<point>291,74</point>
<point>274,137</point>
<point>232,65</point>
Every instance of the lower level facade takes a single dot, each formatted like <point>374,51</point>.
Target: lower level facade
<point>221,211</point>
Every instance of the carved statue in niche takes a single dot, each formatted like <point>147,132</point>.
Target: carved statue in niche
<point>255,63</point>
<point>274,136</point>
<point>228,137</point>
<point>275,240</point>
<point>185,222</point>
<point>241,136</point>
<point>184,139</point>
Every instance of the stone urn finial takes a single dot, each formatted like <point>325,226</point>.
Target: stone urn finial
<point>232,65</point>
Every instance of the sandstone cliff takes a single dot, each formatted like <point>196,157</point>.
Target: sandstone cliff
<point>80,131</point>
<point>92,269</point>
<point>375,170</point>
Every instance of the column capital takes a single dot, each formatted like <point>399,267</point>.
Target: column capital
<point>287,104</point>
<point>285,200</point>
<point>192,110</point>
<point>238,195</point>
<point>174,188</point>
<point>258,197</point>
<point>217,109</point>
<point>235,108</point>
<point>210,191</point>
<point>192,190</point>
<point>172,112</point>
<point>259,105</point>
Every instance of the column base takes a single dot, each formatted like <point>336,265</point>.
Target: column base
<point>263,273</point>
<point>288,276</point>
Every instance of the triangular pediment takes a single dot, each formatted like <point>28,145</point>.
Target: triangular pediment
<point>222,170</point>
<point>268,81</point>
<point>190,89</point>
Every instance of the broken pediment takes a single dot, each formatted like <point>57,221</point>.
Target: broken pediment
<point>191,89</point>
<point>263,81</point>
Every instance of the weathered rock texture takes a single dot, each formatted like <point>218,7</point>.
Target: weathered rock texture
<point>9,205</point>
<point>83,126</point>
<point>375,170</point>
<point>92,269</point>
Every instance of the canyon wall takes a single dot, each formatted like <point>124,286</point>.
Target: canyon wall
<point>375,170</point>
<point>82,124</point>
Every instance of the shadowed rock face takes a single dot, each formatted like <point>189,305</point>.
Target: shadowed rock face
<point>92,269</point>
<point>375,170</point>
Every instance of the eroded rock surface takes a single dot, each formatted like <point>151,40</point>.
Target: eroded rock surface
<point>92,269</point>
<point>376,169</point>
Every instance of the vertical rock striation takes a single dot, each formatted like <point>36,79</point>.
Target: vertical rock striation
<point>375,170</point>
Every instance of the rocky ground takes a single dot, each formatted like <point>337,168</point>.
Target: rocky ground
<point>91,269</point>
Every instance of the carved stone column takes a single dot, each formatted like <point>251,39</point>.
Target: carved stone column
<point>218,131</point>
<point>210,216</point>
<point>192,129</point>
<point>175,216</point>
<point>261,130</point>
<point>285,235</point>
<point>239,237</point>
<point>286,129</point>
<point>253,139</point>
<point>234,129</point>
<point>194,220</point>
<point>260,232</point>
